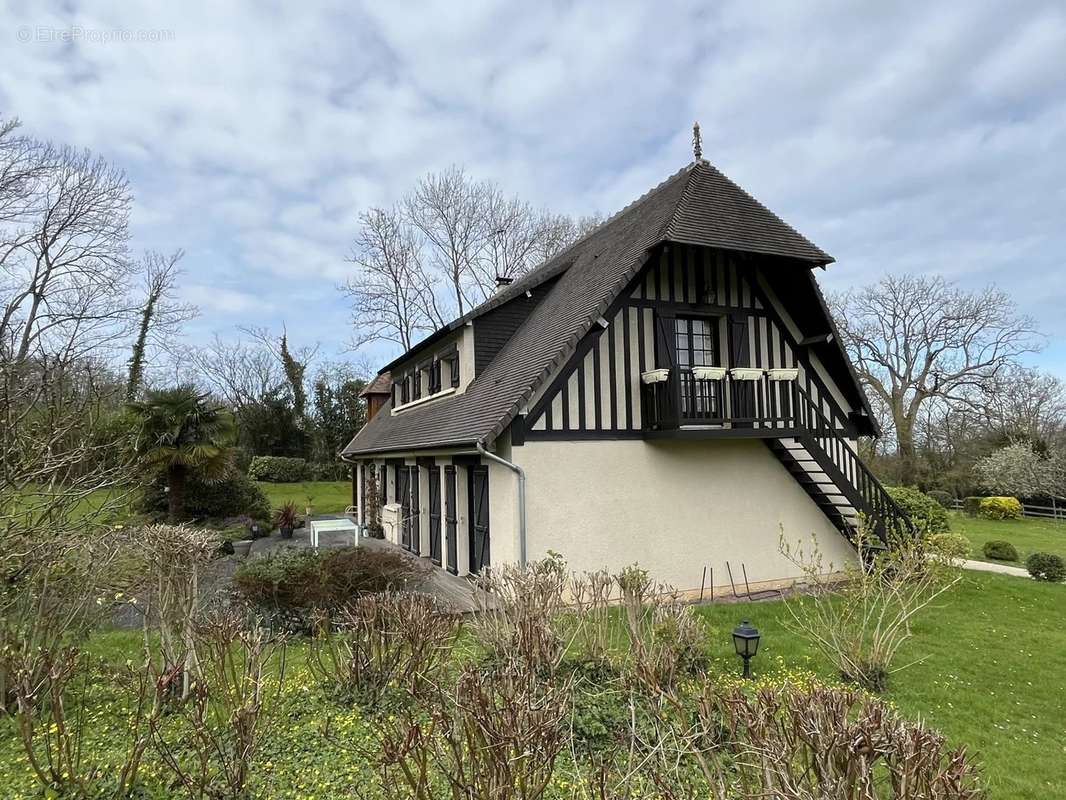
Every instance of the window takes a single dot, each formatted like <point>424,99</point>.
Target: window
<point>455,369</point>
<point>696,346</point>
<point>694,339</point>
<point>416,384</point>
<point>405,389</point>
<point>434,376</point>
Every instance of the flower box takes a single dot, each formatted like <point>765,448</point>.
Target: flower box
<point>746,373</point>
<point>655,376</point>
<point>783,374</point>
<point>709,373</point>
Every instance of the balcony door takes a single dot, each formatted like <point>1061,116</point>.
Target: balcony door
<point>696,345</point>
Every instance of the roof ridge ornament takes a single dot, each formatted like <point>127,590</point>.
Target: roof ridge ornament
<point>697,142</point>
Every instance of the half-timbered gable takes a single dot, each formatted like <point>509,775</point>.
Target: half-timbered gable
<point>689,307</point>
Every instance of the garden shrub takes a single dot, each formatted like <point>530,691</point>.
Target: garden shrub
<point>279,469</point>
<point>234,494</point>
<point>1000,550</point>
<point>999,508</point>
<point>944,498</point>
<point>1046,567</point>
<point>383,642</point>
<point>971,505</point>
<point>862,747</point>
<point>924,511</point>
<point>325,579</point>
<point>949,545</point>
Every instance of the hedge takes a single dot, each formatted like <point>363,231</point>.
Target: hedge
<point>279,469</point>
<point>325,579</point>
<point>999,508</point>
<point>233,495</point>
<point>924,511</point>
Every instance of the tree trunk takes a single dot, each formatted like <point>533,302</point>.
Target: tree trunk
<point>176,492</point>
<point>908,469</point>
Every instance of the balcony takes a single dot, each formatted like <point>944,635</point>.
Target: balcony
<point>715,401</point>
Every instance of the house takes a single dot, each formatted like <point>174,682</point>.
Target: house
<point>669,390</point>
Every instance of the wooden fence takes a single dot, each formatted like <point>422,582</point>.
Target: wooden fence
<point>1054,511</point>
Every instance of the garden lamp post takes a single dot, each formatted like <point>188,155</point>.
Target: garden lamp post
<point>746,643</point>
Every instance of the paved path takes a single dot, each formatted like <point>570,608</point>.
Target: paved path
<point>1002,569</point>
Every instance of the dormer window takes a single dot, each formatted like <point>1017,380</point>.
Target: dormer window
<point>426,381</point>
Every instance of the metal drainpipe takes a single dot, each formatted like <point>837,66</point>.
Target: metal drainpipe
<point>517,470</point>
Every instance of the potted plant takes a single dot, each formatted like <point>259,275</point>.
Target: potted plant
<point>285,519</point>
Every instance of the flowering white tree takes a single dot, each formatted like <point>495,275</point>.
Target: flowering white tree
<point>1020,471</point>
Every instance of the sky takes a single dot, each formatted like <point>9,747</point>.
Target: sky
<point>899,137</point>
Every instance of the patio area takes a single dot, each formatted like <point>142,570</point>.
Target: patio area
<point>456,592</point>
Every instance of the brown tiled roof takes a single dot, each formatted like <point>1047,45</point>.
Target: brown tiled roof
<point>697,205</point>
<point>382,384</point>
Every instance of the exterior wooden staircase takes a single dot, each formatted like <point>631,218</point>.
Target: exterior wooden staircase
<point>824,463</point>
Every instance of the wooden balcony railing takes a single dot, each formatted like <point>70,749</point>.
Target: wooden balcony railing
<point>683,400</point>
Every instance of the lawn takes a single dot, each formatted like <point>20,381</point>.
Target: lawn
<point>326,497</point>
<point>1028,535</point>
<point>993,677</point>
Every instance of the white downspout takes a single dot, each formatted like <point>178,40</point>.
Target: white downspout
<point>517,470</point>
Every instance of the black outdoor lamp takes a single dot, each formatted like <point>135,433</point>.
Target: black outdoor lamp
<point>746,643</point>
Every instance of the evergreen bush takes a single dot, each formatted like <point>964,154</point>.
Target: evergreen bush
<point>279,469</point>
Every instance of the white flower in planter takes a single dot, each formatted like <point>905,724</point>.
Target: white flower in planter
<point>708,373</point>
<point>783,374</point>
<point>746,373</point>
<point>655,375</point>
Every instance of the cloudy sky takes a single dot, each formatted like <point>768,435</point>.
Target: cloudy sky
<point>898,136</point>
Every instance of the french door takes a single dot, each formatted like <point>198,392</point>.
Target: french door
<point>479,519</point>
<point>434,515</point>
<point>416,511</point>
<point>403,496</point>
<point>695,344</point>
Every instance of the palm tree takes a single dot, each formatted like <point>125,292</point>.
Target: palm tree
<point>180,429</point>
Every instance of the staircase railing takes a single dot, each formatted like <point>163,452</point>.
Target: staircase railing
<point>836,457</point>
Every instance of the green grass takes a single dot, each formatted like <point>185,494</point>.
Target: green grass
<point>992,676</point>
<point>1028,535</point>
<point>327,497</point>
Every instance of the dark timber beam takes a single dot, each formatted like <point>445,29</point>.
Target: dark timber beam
<point>821,338</point>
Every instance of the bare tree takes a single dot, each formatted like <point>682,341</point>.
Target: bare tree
<point>294,363</point>
<point>916,338</point>
<point>392,296</point>
<point>160,317</point>
<point>236,371</point>
<point>452,213</point>
<point>1025,404</point>
<point>440,252</point>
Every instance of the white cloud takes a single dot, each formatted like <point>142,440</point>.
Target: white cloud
<point>898,137</point>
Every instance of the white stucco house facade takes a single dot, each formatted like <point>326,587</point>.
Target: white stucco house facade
<point>668,391</point>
